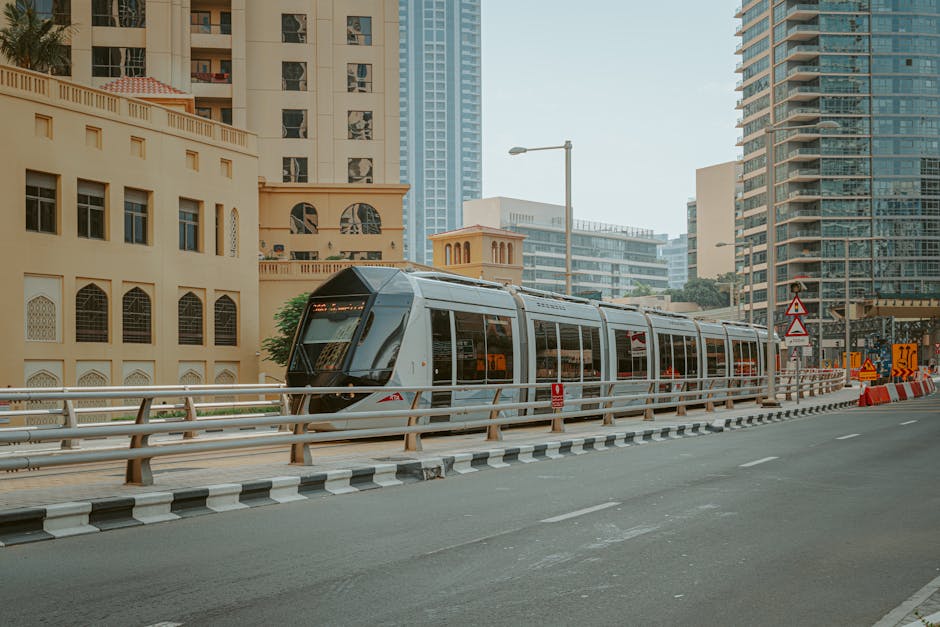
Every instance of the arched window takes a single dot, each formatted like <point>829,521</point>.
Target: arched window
<point>509,254</point>
<point>92,379</point>
<point>303,219</point>
<point>191,377</point>
<point>40,319</point>
<point>448,252</point>
<point>226,322</point>
<point>466,252</point>
<point>190,320</point>
<point>494,253</point>
<point>233,233</point>
<point>43,379</point>
<point>458,256</point>
<point>136,315</point>
<point>136,379</point>
<point>360,219</point>
<point>226,377</point>
<point>91,314</point>
<point>502,252</point>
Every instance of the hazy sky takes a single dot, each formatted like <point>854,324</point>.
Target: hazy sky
<point>644,89</point>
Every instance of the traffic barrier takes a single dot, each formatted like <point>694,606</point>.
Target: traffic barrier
<point>901,391</point>
<point>917,388</point>
<point>908,390</point>
<point>892,390</point>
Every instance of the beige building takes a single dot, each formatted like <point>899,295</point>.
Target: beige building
<point>481,252</point>
<point>128,240</point>
<point>317,84</point>
<point>711,221</point>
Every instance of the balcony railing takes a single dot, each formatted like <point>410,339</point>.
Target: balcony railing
<point>210,29</point>
<point>211,77</point>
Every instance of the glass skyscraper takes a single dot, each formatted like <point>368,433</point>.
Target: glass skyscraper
<point>441,131</point>
<point>873,184</point>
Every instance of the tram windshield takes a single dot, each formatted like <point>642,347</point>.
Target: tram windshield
<point>331,324</point>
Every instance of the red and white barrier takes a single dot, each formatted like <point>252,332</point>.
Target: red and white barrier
<point>893,392</point>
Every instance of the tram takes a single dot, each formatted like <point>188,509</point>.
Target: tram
<point>384,327</point>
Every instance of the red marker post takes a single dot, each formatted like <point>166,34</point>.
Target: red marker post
<point>558,402</point>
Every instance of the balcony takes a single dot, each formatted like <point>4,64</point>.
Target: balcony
<point>800,175</point>
<point>801,53</point>
<point>803,73</point>
<point>796,215</point>
<point>802,12</point>
<point>803,93</point>
<point>211,36</point>
<point>807,194</point>
<point>803,234</point>
<point>802,154</point>
<point>801,114</point>
<point>211,85</point>
<point>802,32</point>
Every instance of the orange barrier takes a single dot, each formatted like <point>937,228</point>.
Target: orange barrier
<point>881,394</point>
<point>874,395</point>
<point>902,393</point>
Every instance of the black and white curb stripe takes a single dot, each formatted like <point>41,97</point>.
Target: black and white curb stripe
<point>61,520</point>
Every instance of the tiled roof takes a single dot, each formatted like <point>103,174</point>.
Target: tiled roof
<point>141,85</point>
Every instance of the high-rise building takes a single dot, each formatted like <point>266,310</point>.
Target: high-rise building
<point>674,251</point>
<point>441,130</point>
<point>869,190</point>
<point>607,260</point>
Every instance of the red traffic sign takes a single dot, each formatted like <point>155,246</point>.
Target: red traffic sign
<point>558,395</point>
<point>797,328</point>
<point>796,308</point>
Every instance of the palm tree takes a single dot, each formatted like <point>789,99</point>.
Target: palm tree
<point>32,42</point>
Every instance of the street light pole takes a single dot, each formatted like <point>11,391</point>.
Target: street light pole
<point>847,359</point>
<point>518,150</point>
<point>750,283</point>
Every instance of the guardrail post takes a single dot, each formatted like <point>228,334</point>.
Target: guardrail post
<point>650,399</point>
<point>71,422</point>
<point>189,405</point>
<point>413,440</point>
<point>789,392</point>
<point>760,390</point>
<point>812,386</point>
<point>285,410</point>
<point>493,432</point>
<point>680,408</point>
<point>608,405</point>
<point>709,403</point>
<point>558,424</point>
<point>729,395</point>
<point>300,451</point>
<point>138,470</point>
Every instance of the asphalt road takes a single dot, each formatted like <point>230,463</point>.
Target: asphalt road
<point>829,520</point>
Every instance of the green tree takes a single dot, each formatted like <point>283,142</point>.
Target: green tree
<point>703,292</point>
<point>30,41</point>
<point>286,319</point>
<point>641,289</point>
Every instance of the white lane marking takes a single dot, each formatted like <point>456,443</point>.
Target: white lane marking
<point>849,436</point>
<point>759,461</point>
<point>165,623</point>
<point>580,512</point>
<point>909,422</point>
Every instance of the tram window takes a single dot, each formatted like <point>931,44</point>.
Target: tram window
<point>665,356</point>
<point>570,352</point>
<point>631,354</point>
<point>442,347</point>
<point>691,357</point>
<point>330,328</point>
<point>678,356</point>
<point>715,357</point>
<point>755,354</point>
<point>591,341</point>
<point>546,351</point>
<point>471,347</point>
<point>498,349</point>
<point>744,361</point>
<point>375,354</point>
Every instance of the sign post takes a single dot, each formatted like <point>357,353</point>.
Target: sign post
<point>558,403</point>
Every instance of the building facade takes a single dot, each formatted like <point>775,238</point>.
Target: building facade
<point>867,191</point>
<point>128,247</point>
<point>675,252</point>
<point>441,126</point>
<point>480,252</point>
<point>608,260</point>
<point>711,221</point>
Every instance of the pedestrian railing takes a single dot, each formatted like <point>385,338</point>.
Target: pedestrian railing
<point>194,410</point>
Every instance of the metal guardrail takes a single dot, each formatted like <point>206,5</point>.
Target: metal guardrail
<point>294,429</point>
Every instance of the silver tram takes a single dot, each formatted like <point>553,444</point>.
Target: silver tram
<point>383,327</point>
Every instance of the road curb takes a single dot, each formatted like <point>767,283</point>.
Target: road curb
<point>33,524</point>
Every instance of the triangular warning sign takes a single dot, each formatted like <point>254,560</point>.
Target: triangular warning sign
<point>797,328</point>
<point>868,366</point>
<point>796,307</point>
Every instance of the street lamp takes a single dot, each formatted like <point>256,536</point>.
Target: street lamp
<point>750,281</point>
<point>769,130</point>
<point>518,150</point>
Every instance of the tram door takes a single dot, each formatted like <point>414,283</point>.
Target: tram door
<point>442,352</point>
